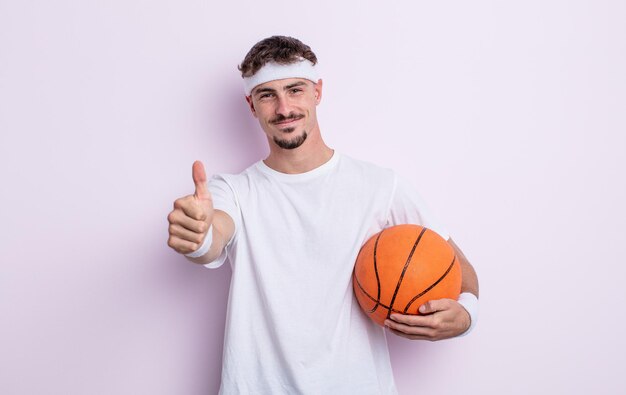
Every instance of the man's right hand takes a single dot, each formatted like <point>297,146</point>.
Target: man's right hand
<point>192,215</point>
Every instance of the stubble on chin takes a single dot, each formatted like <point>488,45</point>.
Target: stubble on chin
<point>292,143</point>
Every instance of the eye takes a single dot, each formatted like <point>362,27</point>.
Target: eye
<point>296,90</point>
<point>265,95</point>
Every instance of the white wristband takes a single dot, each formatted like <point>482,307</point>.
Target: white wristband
<point>206,245</point>
<point>469,301</point>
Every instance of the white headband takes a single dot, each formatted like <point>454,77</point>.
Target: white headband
<point>275,71</point>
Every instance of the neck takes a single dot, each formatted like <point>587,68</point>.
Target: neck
<point>310,155</point>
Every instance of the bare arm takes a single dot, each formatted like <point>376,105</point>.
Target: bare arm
<point>469,278</point>
<point>223,230</point>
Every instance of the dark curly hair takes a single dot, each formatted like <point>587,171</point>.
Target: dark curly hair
<point>280,49</point>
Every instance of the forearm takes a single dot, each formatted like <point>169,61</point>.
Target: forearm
<point>222,229</point>
<point>469,282</point>
<point>212,254</point>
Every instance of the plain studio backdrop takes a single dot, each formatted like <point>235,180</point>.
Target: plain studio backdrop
<point>509,118</point>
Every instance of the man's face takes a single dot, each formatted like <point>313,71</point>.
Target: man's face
<point>286,109</point>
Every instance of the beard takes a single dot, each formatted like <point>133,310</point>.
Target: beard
<point>293,143</point>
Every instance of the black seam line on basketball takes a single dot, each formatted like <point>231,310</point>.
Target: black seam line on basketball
<point>377,300</point>
<point>354,271</point>
<point>406,265</point>
<point>421,294</point>
<point>376,272</point>
<point>431,287</point>
<point>372,298</point>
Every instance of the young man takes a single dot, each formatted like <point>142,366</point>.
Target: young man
<point>291,226</point>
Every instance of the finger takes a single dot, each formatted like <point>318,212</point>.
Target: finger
<point>184,234</point>
<point>413,320</point>
<point>181,218</point>
<point>199,179</point>
<point>434,305</point>
<point>191,208</point>
<point>182,246</point>
<point>409,329</point>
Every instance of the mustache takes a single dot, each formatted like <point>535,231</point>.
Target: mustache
<point>282,118</point>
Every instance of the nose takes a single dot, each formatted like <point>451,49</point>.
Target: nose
<point>283,106</point>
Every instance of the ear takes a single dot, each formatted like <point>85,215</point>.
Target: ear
<point>318,91</point>
<point>251,105</point>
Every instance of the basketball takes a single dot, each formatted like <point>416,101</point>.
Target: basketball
<point>402,267</point>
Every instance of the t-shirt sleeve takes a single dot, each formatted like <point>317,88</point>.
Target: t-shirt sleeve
<point>224,199</point>
<point>408,207</point>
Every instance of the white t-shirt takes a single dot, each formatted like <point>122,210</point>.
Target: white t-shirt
<point>293,324</point>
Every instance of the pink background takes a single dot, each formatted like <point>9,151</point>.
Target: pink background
<point>508,116</point>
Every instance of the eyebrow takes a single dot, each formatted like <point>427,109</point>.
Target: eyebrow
<point>260,90</point>
<point>299,83</point>
<point>257,91</point>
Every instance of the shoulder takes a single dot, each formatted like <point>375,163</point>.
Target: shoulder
<point>367,169</point>
<point>237,182</point>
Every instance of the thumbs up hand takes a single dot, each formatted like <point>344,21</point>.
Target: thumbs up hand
<point>192,215</point>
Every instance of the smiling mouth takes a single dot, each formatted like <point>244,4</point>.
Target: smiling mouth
<point>287,121</point>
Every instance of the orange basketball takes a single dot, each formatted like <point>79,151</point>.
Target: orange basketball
<point>401,268</point>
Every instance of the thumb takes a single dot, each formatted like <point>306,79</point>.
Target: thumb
<point>199,178</point>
